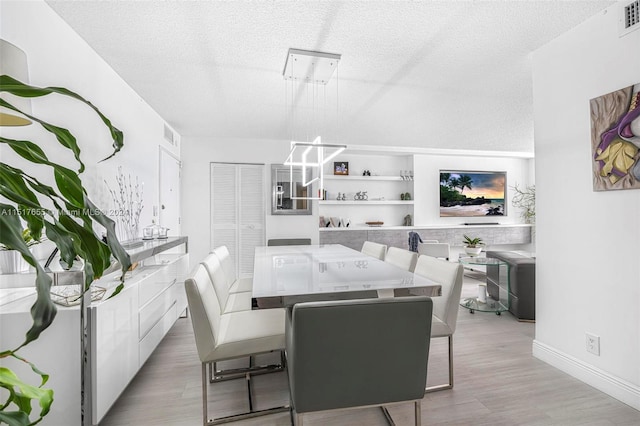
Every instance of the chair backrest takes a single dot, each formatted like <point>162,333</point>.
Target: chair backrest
<point>289,242</point>
<point>434,250</point>
<point>219,279</point>
<point>374,249</point>
<point>401,258</point>
<point>350,353</point>
<point>449,276</point>
<point>228,266</point>
<point>205,311</point>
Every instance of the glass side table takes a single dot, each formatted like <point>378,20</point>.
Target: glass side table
<point>497,298</point>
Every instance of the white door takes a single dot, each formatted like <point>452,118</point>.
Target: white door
<point>238,211</point>
<point>169,178</point>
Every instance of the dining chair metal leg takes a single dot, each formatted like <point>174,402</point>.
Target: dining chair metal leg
<point>216,375</point>
<point>418,413</point>
<point>450,384</point>
<point>250,414</point>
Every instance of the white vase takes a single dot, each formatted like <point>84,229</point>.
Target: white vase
<point>11,262</point>
<point>473,251</point>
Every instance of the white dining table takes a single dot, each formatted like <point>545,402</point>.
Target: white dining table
<point>285,275</point>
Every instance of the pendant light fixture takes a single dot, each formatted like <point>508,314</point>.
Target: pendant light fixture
<point>307,74</point>
<point>14,64</point>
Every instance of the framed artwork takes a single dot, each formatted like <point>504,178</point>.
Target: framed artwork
<point>615,139</point>
<point>468,194</point>
<point>341,168</point>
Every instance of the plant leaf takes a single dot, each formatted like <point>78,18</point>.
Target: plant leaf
<point>14,418</point>
<point>15,87</point>
<point>24,391</point>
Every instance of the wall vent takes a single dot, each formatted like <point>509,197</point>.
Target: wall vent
<point>630,18</point>
<point>169,135</point>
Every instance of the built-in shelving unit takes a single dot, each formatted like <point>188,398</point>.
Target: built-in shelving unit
<point>384,190</point>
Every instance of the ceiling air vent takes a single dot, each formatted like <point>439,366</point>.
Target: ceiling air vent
<point>169,136</point>
<point>630,18</point>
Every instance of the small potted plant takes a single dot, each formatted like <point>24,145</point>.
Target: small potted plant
<point>11,261</point>
<point>472,246</point>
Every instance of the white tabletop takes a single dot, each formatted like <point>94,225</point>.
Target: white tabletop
<point>326,270</point>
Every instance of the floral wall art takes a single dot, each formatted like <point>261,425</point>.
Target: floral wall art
<point>615,139</point>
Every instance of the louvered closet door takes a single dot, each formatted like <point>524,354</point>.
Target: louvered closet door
<point>237,211</point>
<point>251,215</point>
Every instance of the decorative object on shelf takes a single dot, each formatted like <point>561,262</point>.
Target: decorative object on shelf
<point>361,196</point>
<point>525,199</point>
<point>402,196</point>
<point>341,168</point>
<point>70,295</point>
<point>407,196</point>
<point>344,197</point>
<point>366,173</point>
<point>302,69</point>
<point>147,233</point>
<point>406,174</point>
<point>615,139</point>
<point>375,223</point>
<point>128,203</point>
<point>339,197</point>
<point>407,221</point>
<point>472,246</point>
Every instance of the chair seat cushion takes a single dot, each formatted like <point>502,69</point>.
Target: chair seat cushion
<point>439,328</point>
<point>241,285</point>
<point>237,302</point>
<point>249,332</point>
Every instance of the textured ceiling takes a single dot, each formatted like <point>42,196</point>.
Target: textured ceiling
<point>427,74</point>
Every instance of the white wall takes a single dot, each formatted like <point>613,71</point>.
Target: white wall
<point>57,56</point>
<point>587,242</point>
<point>198,154</point>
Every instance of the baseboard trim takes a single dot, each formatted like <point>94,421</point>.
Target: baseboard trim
<point>611,385</point>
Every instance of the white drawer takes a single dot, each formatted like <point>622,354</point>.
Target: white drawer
<point>153,311</point>
<point>169,270</point>
<point>155,335</point>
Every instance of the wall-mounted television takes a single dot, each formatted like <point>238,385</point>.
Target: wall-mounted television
<point>468,194</point>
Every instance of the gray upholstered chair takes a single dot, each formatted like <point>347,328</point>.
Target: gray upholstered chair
<point>289,242</point>
<point>436,249</point>
<point>353,353</point>
<point>401,258</point>
<point>233,335</point>
<point>445,307</point>
<point>374,249</point>
<point>236,285</point>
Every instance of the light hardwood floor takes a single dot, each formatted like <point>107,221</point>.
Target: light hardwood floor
<point>497,382</point>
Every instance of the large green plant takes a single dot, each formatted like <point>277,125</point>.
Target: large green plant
<point>69,224</point>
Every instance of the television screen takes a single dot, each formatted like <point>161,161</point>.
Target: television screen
<point>467,194</point>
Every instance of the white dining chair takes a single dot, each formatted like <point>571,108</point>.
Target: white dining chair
<point>441,250</point>
<point>374,249</point>
<point>223,336</point>
<point>236,285</point>
<point>229,302</point>
<point>401,258</point>
<point>445,307</point>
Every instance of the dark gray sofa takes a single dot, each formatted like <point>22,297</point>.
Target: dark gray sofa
<point>522,286</point>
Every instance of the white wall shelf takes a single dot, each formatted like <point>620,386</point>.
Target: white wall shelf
<point>364,203</point>
<point>366,178</point>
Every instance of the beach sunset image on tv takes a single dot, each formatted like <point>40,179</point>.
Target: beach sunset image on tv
<point>467,194</point>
